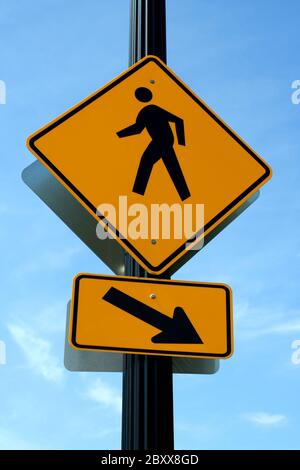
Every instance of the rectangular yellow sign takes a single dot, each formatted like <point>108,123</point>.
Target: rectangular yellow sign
<point>151,316</point>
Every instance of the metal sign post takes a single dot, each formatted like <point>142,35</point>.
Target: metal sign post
<point>147,415</point>
<point>146,320</point>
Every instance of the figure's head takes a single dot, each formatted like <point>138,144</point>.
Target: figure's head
<point>143,94</point>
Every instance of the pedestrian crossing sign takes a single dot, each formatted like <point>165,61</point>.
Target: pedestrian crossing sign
<point>155,166</point>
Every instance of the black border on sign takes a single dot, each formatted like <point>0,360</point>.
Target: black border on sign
<point>34,139</point>
<point>151,281</point>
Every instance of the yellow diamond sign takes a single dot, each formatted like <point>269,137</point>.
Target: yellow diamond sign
<point>145,147</point>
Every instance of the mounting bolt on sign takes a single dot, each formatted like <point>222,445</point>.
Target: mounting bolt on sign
<point>163,151</point>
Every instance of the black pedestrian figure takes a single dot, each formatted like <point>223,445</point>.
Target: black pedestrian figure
<point>156,121</point>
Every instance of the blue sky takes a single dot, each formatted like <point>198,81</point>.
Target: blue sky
<point>241,58</point>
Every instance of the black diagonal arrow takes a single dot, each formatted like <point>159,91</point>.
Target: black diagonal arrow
<point>178,329</point>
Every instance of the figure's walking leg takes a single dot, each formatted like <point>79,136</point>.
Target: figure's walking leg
<point>175,172</point>
<point>148,159</point>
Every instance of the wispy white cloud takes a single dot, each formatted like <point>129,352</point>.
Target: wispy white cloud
<point>37,352</point>
<point>255,322</point>
<point>288,327</point>
<point>198,431</point>
<point>266,419</point>
<point>103,393</point>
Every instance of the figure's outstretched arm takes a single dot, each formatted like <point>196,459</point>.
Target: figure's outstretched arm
<point>179,127</point>
<point>136,128</point>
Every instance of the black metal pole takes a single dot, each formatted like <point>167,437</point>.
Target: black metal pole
<point>147,415</point>
<point>147,30</point>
